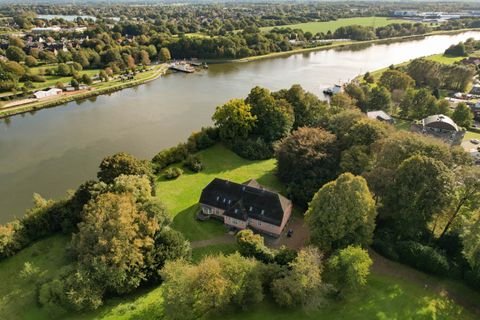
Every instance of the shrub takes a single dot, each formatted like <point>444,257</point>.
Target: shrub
<point>12,239</point>
<point>170,156</point>
<point>252,149</point>
<point>423,257</point>
<point>385,248</point>
<point>193,163</point>
<point>203,139</point>
<point>252,245</point>
<point>173,173</point>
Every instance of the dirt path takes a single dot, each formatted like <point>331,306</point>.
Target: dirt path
<point>225,239</point>
<point>383,266</point>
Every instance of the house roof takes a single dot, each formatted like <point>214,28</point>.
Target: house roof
<point>379,115</point>
<point>243,201</point>
<point>440,121</point>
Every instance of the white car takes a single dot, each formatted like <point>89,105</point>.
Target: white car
<point>475,141</point>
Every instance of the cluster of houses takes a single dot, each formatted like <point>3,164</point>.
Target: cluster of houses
<point>246,205</point>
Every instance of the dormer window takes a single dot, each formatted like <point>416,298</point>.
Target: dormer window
<point>236,210</point>
<point>229,201</point>
<point>224,200</point>
<point>218,198</point>
<point>251,208</point>
<point>263,212</point>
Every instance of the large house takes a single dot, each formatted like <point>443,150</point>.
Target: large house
<point>442,127</point>
<point>246,205</point>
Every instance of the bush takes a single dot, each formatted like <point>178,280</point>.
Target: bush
<point>252,149</point>
<point>204,139</point>
<point>170,156</point>
<point>423,257</point>
<point>193,163</point>
<point>12,239</point>
<point>385,248</point>
<point>173,173</point>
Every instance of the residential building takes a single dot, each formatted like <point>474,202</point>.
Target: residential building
<point>247,205</point>
<point>381,116</point>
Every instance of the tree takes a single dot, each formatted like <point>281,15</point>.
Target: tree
<point>341,213</point>
<point>463,115</point>
<point>143,58</point>
<point>348,269</point>
<point>356,160</point>
<point>123,163</point>
<point>309,111</point>
<point>103,76</point>
<point>471,244</point>
<point>302,284</point>
<point>194,291</point>
<point>30,61</point>
<point>274,117</point>
<point>252,245</point>
<point>368,78</point>
<point>63,70</point>
<point>421,189</point>
<point>113,240</point>
<point>86,79</point>
<point>15,54</point>
<point>379,99</point>
<point>234,120</point>
<point>305,160</point>
<point>342,101</point>
<point>165,55</point>
<point>396,80</point>
<point>466,195</point>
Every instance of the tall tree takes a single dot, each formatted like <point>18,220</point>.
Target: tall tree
<point>463,115</point>
<point>113,240</point>
<point>341,213</point>
<point>234,120</point>
<point>305,160</point>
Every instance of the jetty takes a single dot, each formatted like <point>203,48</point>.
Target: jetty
<point>182,67</point>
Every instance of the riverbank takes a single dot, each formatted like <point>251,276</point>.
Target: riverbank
<point>103,88</point>
<point>346,45</point>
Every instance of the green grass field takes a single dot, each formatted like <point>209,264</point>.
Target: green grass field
<point>181,196</point>
<point>444,59</point>
<point>324,27</point>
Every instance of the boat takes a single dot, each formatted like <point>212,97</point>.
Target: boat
<point>182,67</point>
<point>333,90</point>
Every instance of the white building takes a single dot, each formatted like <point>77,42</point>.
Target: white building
<point>47,29</point>
<point>47,93</point>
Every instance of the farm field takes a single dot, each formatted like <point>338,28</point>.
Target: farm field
<point>315,27</point>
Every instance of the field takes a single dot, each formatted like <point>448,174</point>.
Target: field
<point>315,27</point>
<point>444,59</point>
<point>393,292</point>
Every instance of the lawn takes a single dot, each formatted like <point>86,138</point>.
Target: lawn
<point>17,295</point>
<point>383,298</point>
<point>226,248</point>
<point>444,59</point>
<point>181,196</point>
<point>324,27</point>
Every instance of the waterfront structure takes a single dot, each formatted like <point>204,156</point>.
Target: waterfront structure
<point>47,93</point>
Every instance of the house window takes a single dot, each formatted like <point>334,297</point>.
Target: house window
<point>251,208</point>
<point>263,212</point>
<point>236,210</point>
<point>218,198</point>
<point>229,201</point>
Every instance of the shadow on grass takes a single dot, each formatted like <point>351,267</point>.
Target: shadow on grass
<point>187,223</point>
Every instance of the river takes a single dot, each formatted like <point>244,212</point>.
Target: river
<point>56,149</point>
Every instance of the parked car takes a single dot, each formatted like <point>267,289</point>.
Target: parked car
<point>475,141</point>
<point>290,233</point>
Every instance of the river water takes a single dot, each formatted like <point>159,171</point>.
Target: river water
<point>56,149</point>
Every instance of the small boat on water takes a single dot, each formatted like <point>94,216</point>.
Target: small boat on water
<point>333,90</point>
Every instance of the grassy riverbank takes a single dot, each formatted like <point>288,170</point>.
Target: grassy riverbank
<point>97,89</point>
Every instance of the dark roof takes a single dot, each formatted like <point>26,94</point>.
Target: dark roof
<point>243,201</point>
